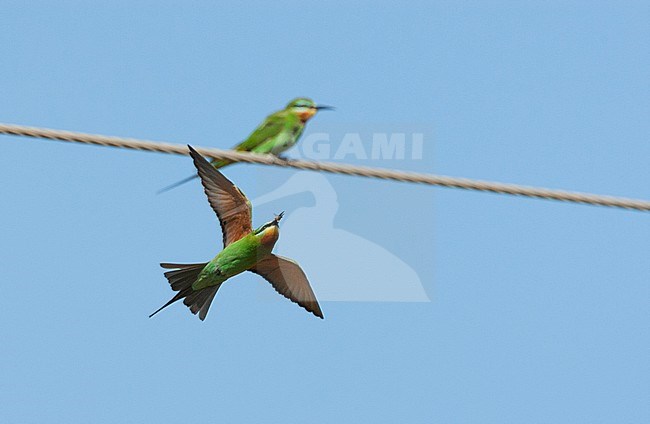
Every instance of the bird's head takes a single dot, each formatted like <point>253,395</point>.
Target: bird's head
<point>270,231</point>
<point>305,108</point>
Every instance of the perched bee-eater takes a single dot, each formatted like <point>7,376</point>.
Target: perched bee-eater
<point>278,133</point>
<point>244,249</point>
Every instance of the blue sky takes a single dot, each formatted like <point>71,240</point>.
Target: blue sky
<point>538,310</point>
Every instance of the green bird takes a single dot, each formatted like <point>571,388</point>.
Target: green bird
<point>244,249</point>
<point>279,132</point>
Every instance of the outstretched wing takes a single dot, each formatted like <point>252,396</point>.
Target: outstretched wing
<point>288,279</point>
<point>231,206</point>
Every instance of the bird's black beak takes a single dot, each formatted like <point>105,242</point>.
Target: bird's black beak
<point>278,217</point>
<point>325,107</point>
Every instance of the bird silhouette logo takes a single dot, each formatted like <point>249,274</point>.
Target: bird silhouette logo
<point>343,266</point>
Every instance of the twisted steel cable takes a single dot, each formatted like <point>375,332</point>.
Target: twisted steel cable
<point>336,168</point>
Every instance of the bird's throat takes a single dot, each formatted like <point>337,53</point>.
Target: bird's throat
<point>270,235</point>
<point>306,115</point>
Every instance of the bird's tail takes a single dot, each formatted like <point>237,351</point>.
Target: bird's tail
<point>216,163</point>
<point>176,184</point>
<point>181,279</point>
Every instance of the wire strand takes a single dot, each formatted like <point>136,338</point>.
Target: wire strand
<point>336,168</point>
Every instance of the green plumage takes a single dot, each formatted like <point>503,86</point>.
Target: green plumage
<point>234,259</point>
<point>244,249</point>
<point>278,133</point>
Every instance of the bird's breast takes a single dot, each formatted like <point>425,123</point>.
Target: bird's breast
<point>270,235</point>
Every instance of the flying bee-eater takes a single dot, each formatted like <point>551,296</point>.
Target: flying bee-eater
<point>277,133</point>
<point>244,249</point>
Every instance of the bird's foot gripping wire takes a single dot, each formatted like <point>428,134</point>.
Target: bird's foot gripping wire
<point>284,158</point>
